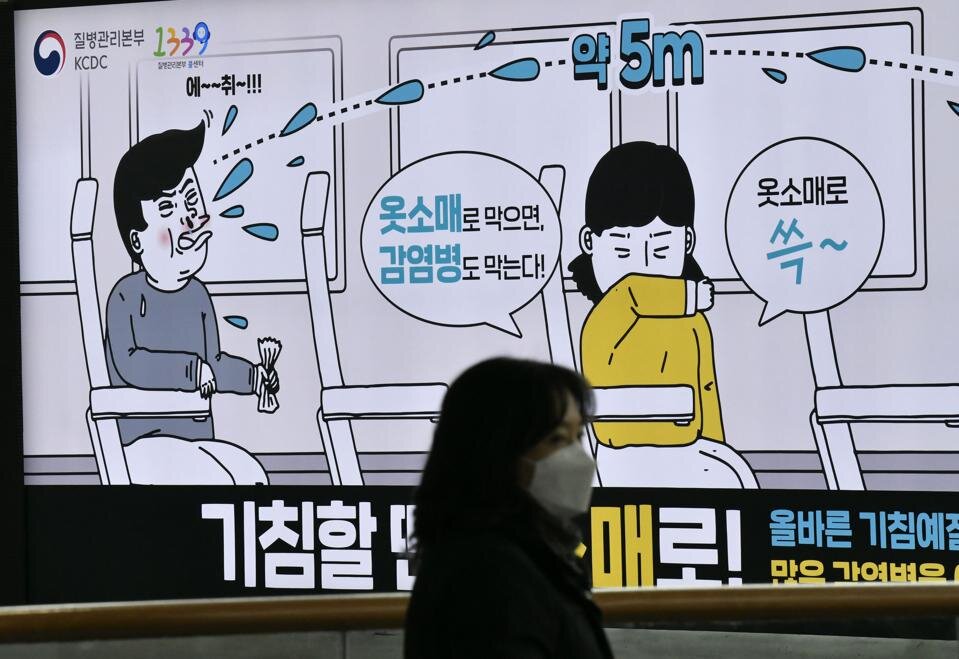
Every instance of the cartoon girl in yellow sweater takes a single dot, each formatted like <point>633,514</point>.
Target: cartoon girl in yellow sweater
<point>647,326</point>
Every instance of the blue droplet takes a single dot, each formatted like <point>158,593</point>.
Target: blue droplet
<point>521,70</point>
<point>230,118</point>
<point>776,74</point>
<point>240,174</point>
<point>233,211</point>
<point>237,321</point>
<point>406,92</point>
<point>263,231</point>
<point>487,39</point>
<point>303,116</point>
<point>842,58</point>
<point>953,106</point>
<point>296,162</point>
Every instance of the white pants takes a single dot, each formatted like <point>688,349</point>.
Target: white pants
<point>703,464</point>
<point>174,461</point>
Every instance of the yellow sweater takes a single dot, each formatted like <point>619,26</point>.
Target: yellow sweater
<point>646,331</point>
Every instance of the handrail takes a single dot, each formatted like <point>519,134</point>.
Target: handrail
<point>71,622</point>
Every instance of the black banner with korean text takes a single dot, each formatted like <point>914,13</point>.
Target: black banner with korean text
<point>102,544</point>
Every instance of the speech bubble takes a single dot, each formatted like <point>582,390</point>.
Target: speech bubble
<point>804,225</point>
<point>485,245</point>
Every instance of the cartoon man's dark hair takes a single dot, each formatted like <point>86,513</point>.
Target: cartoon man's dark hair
<point>633,184</point>
<point>151,166</point>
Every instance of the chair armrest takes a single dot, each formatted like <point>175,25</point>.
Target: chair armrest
<point>423,401</point>
<point>937,403</point>
<point>672,403</point>
<point>130,403</point>
<point>394,401</point>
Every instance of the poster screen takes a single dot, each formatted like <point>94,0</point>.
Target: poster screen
<point>254,252</point>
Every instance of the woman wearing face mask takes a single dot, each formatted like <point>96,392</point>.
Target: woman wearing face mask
<point>497,573</point>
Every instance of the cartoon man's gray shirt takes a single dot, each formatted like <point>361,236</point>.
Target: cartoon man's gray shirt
<point>156,340</point>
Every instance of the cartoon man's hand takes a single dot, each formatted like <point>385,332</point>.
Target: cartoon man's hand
<point>207,381</point>
<point>704,295</point>
<point>268,379</point>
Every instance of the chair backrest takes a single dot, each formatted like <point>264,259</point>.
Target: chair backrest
<point>84,272</point>
<point>834,441</point>
<point>338,443</point>
<point>312,223</point>
<point>822,349</point>
<point>559,334</point>
<point>104,435</point>
<point>561,350</point>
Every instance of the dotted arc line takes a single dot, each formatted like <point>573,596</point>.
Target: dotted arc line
<point>934,70</point>
<point>757,53</point>
<point>367,102</point>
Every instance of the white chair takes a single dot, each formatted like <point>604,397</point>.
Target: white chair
<point>838,405</point>
<point>109,404</point>
<point>342,404</point>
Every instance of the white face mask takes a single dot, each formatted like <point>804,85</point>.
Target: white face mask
<point>563,481</point>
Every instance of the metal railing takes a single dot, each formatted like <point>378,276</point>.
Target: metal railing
<point>71,622</point>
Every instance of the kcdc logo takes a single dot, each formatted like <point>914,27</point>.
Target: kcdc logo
<point>51,63</point>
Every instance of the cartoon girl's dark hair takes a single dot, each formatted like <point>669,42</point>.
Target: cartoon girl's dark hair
<point>581,268</point>
<point>631,185</point>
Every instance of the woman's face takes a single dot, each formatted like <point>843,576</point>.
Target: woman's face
<point>654,249</point>
<point>569,430</point>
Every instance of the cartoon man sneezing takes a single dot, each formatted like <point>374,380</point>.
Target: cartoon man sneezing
<point>161,325</point>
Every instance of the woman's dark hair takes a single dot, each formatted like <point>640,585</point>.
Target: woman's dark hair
<point>633,184</point>
<point>492,414</point>
<point>151,166</point>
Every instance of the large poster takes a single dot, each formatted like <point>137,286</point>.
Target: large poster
<point>254,252</point>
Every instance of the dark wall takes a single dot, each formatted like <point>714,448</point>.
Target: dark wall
<point>12,529</point>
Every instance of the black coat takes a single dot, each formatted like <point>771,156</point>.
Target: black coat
<point>501,593</point>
